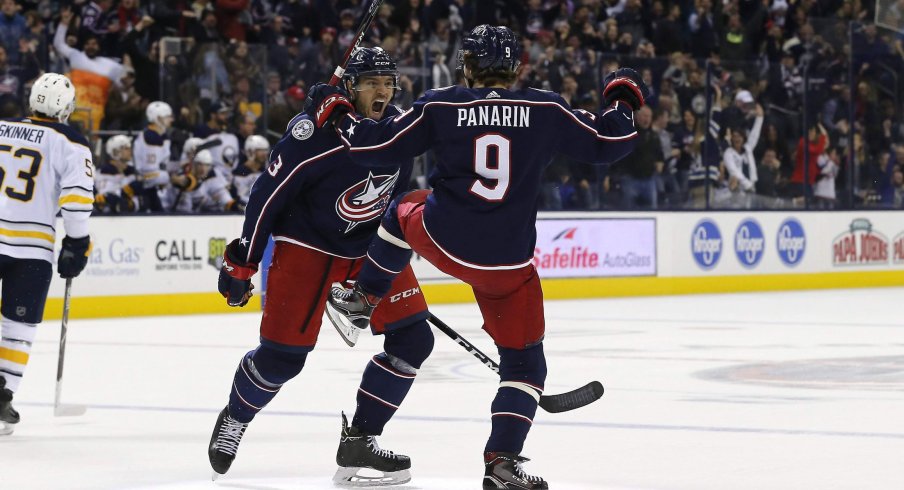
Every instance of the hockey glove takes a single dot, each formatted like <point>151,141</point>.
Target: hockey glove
<point>625,85</point>
<point>327,104</point>
<point>235,277</point>
<point>73,256</point>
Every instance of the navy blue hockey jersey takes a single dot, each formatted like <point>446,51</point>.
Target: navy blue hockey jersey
<point>492,146</point>
<point>312,195</point>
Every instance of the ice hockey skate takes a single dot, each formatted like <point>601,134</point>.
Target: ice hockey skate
<point>9,417</point>
<point>503,471</point>
<point>359,451</point>
<point>224,442</point>
<point>349,311</point>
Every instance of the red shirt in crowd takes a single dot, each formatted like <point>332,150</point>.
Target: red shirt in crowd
<point>816,149</point>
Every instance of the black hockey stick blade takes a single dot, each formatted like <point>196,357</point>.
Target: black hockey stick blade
<point>578,398</point>
<point>564,402</point>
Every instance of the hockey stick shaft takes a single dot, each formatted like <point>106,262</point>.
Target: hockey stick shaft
<point>563,402</point>
<point>59,409</point>
<point>363,27</point>
<point>67,295</point>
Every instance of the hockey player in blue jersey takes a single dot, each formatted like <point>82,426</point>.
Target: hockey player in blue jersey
<point>492,145</point>
<point>322,211</point>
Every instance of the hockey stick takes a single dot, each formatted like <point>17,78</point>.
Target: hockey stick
<point>359,36</point>
<point>60,410</point>
<point>563,402</point>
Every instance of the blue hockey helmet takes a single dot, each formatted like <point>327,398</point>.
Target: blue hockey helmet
<point>373,62</point>
<point>490,48</point>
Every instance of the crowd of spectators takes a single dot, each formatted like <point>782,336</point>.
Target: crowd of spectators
<point>756,135</point>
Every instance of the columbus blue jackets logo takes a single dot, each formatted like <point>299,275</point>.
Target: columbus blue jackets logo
<point>366,200</point>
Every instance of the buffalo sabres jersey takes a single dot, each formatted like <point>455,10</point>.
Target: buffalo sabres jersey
<point>209,194</point>
<point>224,148</point>
<point>45,167</point>
<point>492,146</point>
<point>109,183</point>
<point>151,154</point>
<point>313,196</point>
<point>242,180</point>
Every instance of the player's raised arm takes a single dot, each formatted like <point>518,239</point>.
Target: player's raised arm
<point>370,142</point>
<point>609,136</point>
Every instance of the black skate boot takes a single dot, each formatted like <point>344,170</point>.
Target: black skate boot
<point>224,442</point>
<point>349,310</point>
<point>358,450</point>
<point>9,417</point>
<point>504,471</point>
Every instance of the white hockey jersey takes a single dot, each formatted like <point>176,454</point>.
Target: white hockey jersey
<point>151,154</point>
<point>113,184</point>
<point>243,179</point>
<point>45,167</point>
<point>224,148</point>
<point>210,194</point>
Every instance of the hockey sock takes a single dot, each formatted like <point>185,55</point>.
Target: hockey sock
<point>260,375</point>
<point>15,347</point>
<point>387,256</point>
<point>389,376</point>
<point>522,374</point>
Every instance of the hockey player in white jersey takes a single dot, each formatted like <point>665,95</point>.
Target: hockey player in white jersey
<point>243,177</point>
<point>45,168</point>
<point>116,182</point>
<point>201,189</point>
<point>152,156</point>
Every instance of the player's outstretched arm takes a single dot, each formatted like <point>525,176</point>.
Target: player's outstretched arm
<point>387,142</point>
<point>609,136</point>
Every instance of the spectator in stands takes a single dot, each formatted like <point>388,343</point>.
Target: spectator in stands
<point>740,163</point>
<point>898,186</point>
<point>12,28</point>
<point>14,78</point>
<point>92,75</point>
<point>232,18</point>
<point>640,167</point>
<point>125,107</point>
<point>824,190</point>
<point>770,184</point>
<point>772,140</point>
<point>145,64</point>
<point>818,141</point>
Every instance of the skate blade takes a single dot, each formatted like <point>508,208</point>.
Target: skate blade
<point>347,331</point>
<point>349,477</point>
<point>214,475</point>
<point>6,429</point>
<point>69,410</point>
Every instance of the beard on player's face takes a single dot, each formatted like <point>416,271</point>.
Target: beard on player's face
<point>372,96</point>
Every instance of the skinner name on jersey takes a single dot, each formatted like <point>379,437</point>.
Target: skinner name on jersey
<point>33,135</point>
<point>495,115</point>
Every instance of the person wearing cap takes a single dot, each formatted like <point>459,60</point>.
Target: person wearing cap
<point>223,145</point>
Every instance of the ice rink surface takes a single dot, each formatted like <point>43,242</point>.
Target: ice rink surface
<point>801,390</point>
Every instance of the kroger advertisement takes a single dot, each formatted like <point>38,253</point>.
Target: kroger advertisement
<point>776,243</point>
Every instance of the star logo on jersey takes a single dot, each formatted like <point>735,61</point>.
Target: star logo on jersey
<point>365,200</point>
<point>350,130</point>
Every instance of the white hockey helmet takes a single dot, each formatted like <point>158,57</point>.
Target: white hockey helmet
<point>159,113</point>
<point>203,157</point>
<point>115,145</point>
<point>190,146</point>
<point>53,95</point>
<point>254,143</point>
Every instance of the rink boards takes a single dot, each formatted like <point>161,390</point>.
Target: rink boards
<point>169,265</point>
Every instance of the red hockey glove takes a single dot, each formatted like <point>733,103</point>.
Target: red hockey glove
<point>235,277</point>
<point>327,104</point>
<point>625,85</point>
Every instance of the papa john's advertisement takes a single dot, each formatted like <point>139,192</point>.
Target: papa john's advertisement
<point>596,247</point>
